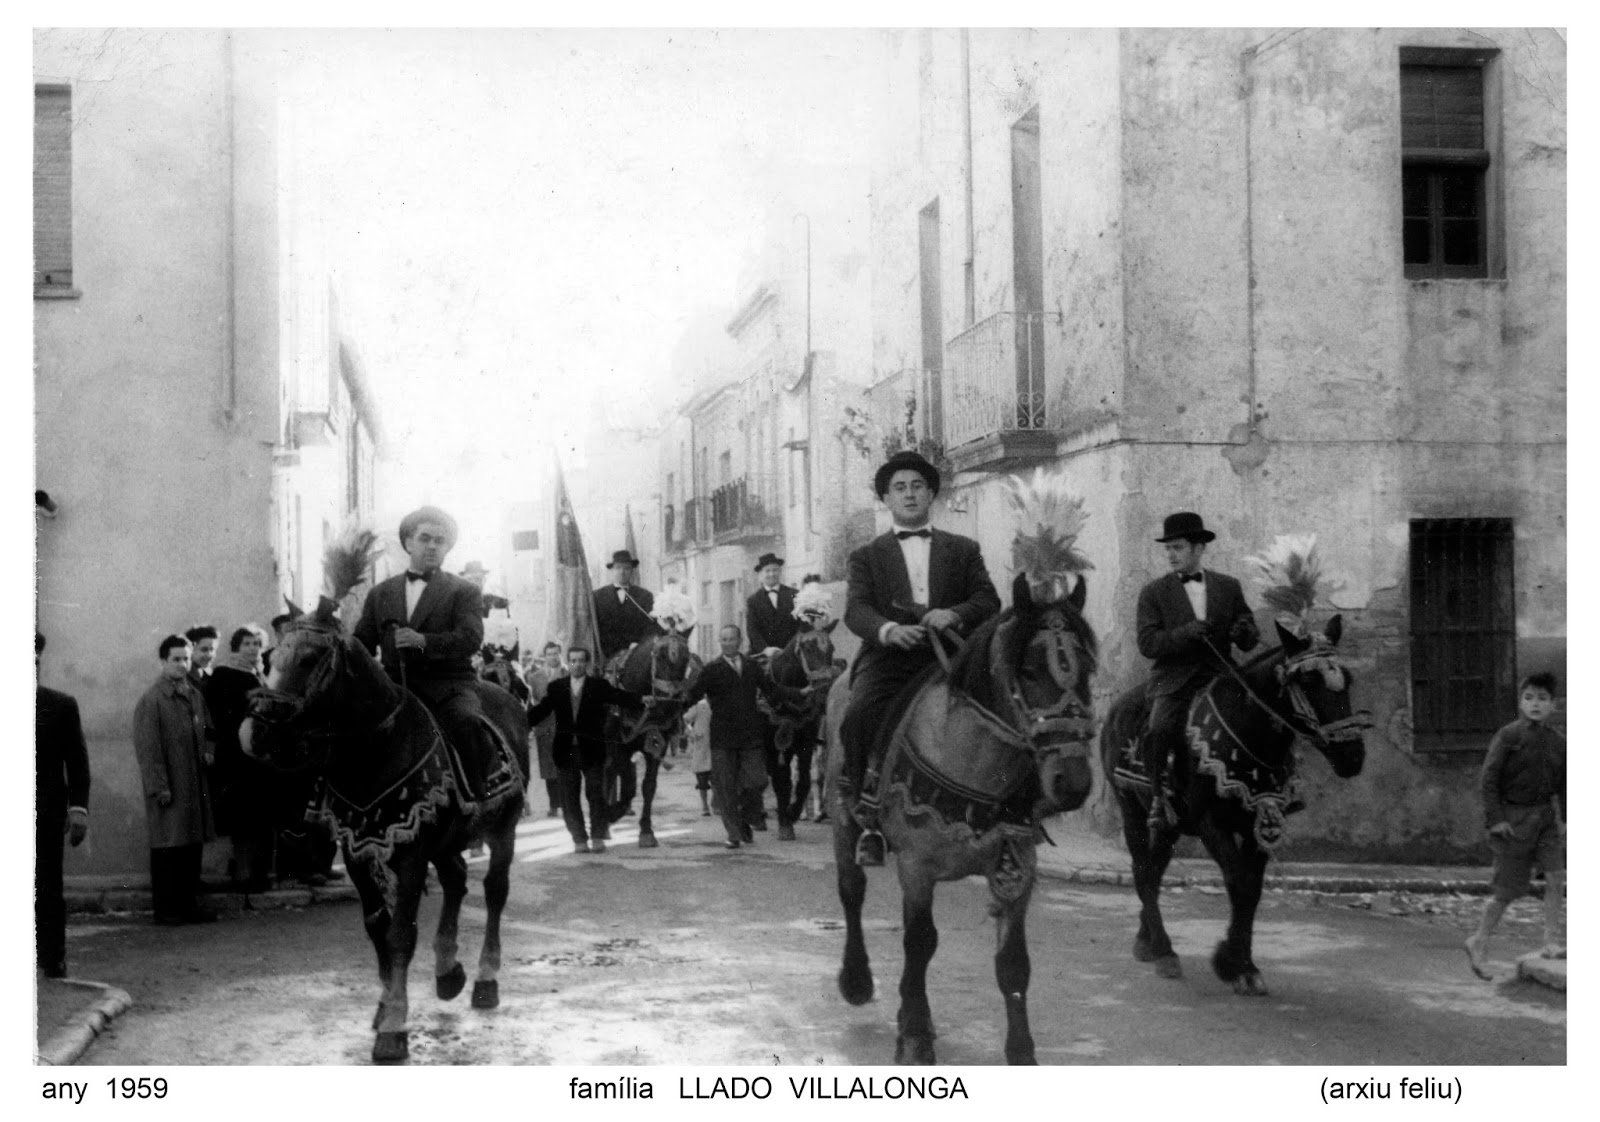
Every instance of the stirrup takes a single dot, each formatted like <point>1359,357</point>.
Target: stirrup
<point>870,849</point>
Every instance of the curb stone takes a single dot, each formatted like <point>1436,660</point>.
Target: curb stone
<point>1289,882</point>
<point>1550,972</point>
<point>67,1045</point>
<point>227,903</point>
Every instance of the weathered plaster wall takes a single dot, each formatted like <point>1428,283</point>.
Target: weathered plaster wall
<point>164,505</point>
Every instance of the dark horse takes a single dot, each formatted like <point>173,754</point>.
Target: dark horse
<point>1237,785</point>
<point>806,663</point>
<point>662,668</point>
<point>389,787</point>
<point>976,758</point>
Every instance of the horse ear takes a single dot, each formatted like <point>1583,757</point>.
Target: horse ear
<point>295,610</point>
<point>1292,643</point>
<point>688,631</point>
<point>1079,593</point>
<point>828,627</point>
<point>325,610</point>
<point>1334,629</point>
<point>1021,594</point>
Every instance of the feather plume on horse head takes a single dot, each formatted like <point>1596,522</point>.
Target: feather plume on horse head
<point>1044,549</point>
<point>674,610</point>
<point>813,606</point>
<point>345,565</point>
<point>1292,581</point>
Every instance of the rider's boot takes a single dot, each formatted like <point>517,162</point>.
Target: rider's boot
<point>871,851</point>
<point>1161,816</point>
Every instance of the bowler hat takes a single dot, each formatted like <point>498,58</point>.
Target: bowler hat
<point>623,557</point>
<point>474,569</point>
<point>409,524</point>
<point>768,559</point>
<point>905,460</point>
<point>1185,524</point>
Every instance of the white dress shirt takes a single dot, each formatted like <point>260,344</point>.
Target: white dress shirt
<point>915,551</point>
<point>1196,591</point>
<point>414,591</point>
<point>577,695</point>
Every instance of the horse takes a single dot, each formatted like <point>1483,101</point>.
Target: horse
<point>660,667</point>
<point>978,754</point>
<point>389,788</point>
<point>805,662</point>
<point>1238,785</point>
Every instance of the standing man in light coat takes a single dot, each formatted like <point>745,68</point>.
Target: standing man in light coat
<point>174,740</point>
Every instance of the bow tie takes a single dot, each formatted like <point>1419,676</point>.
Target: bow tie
<point>904,534</point>
<point>411,576</point>
<point>1185,578</point>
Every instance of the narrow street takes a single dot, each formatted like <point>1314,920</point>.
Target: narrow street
<point>689,954</point>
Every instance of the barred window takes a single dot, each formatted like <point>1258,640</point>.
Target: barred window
<point>1444,163</point>
<point>52,189</point>
<point>1463,631</point>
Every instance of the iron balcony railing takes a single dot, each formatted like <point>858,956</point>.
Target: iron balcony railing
<point>741,508</point>
<point>995,371</point>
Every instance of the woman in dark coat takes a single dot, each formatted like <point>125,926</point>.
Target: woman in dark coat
<point>242,813</point>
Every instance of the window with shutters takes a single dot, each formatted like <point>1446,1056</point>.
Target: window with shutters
<point>52,190</point>
<point>1445,139</point>
<point>1463,631</point>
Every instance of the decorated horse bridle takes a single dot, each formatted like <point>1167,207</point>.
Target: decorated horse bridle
<point>661,689</point>
<point>1304,722</point>
<point>281,710</point>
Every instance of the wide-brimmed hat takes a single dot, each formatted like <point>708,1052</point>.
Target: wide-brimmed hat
<point>905,460</point>
<point>768,559</point>
<point>1185,524</point>
<point>409,524</point>
<point>622,557</point>
<point>474,569</point>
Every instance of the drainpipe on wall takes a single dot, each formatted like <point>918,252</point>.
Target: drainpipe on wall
<point>1246,92</point>
<point>967,267</point>
<point>230,374</point>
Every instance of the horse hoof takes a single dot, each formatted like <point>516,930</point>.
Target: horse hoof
<point>855,988</point>
<point>485,995</point>
<point>914,1051</point>
<point>1024,1059</point>
<point>1250,984</point>
<point>1168,966</point>
<point>450,983</point>
<point>391,1048</point>
<point>1142,950</point>
<point>647,841</point>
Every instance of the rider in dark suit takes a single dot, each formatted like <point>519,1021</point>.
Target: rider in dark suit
<point>430,623</point>
<point>61,802</point>
<point>769,613</point>
<point>579,746</point>
<point>622,609</point>
<point>738,729</point>
<point>1187,622</point>
<point>904,585</point>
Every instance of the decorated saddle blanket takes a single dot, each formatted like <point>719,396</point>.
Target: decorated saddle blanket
<point>960,747</point>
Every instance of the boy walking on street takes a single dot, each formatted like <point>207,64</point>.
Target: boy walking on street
<point>1524,800</point>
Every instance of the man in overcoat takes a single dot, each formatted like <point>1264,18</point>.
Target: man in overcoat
<point>905,585</point>
<point>174,741</point>
<point>62,808</point>
<point>1187,621</point>
<point>578,702</point>
<point>427,624</point>
<point>738,763</point>
<point>622,609</point>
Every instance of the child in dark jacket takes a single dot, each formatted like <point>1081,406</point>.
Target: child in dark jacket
<point>1524,800</point>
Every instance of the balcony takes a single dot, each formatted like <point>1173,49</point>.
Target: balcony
<point>745,510</point>
<point>997,415</point>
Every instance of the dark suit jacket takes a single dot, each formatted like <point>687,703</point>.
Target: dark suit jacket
<point>580,738</point>
<point>880,592</point>
<point>737,724</point>
<point>622,625</point>
<point>449,614</point>
<point>1164,608</point>
<point>60,756</point>
<point>769,626</point>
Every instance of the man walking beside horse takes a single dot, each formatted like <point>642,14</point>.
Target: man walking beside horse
<point>908,588</point>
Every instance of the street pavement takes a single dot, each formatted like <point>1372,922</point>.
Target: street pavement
<point>693,954</point>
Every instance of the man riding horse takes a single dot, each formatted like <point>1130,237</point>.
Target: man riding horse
<point>1187,621</point>
<point>426,624</point>
<point>908,588</point>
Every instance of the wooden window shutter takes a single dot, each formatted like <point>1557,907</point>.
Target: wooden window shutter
<point>1441,107</point>
<point>52,186</point>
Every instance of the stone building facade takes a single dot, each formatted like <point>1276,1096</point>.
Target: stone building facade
<point>202,422</point>
<point>1303,281</point>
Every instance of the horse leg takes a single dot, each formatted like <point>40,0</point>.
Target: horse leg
<point>393,1044</point>
<point>805,747</point>
<point>1150,859</point>
<point>647,790</point>
<point>855,974</point>
<point>449,977</point>
<point>1243,871</point>
<point>375,916</point>
<point>914,1044</point>
<point>1012,970</point>
<point>496,891</point>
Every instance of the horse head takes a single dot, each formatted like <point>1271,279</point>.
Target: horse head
<point>323,683</point>
<point>1317,684</point>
